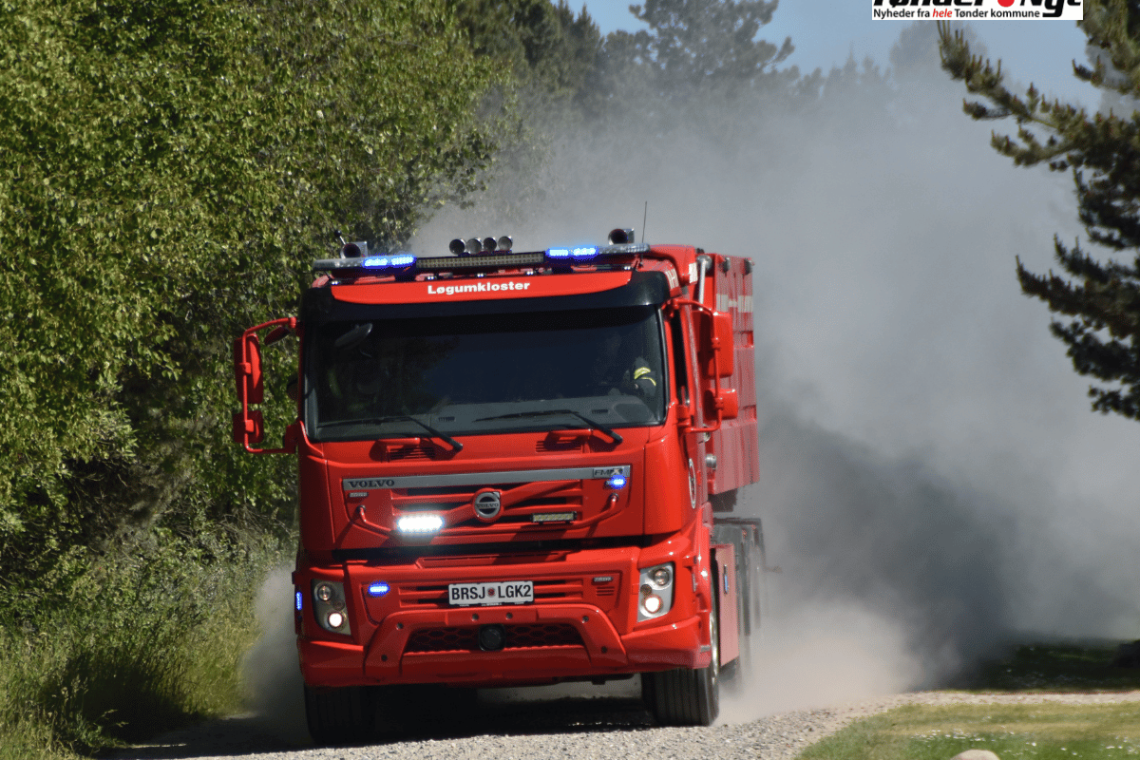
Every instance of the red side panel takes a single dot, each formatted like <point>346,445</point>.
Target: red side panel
<point>725,559</point>
<point>736,444</point>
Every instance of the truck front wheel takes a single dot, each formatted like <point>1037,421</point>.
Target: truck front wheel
<point>340,716</point>
<point>686,697</point>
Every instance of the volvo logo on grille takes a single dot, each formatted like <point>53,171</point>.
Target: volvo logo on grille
<point>488,504</point>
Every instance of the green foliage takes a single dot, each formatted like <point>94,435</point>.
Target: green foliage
<point>1015,728</point>
<point>1028,731</point>
<point>553,55</point>
<point>1100,299</point>
<point>134,648</point>
<point>1061,667</point>
<point>697,45</point>
<point>168,170</point>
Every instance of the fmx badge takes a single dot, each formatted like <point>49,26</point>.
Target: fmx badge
<point>977,10</point>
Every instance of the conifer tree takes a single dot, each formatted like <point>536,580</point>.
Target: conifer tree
<point>698,44</point>
<point>551,52</point>
<point>1096,299</point>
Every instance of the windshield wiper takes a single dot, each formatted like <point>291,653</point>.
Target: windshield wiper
<point>454,444</point>
<point>548,412</point>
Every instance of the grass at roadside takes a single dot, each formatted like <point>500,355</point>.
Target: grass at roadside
<point>1042,731</point>
<point>1037,731</point>
<point>137,649</point>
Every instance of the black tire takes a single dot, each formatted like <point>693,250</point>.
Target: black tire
<point>686,697</point>
<point>340,716</point>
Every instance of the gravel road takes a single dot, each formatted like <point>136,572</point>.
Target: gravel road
<point>582,729</point>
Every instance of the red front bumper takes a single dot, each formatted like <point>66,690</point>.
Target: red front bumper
<point>569,633</point>
<point>602,652</point>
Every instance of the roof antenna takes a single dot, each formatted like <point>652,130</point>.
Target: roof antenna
<point>643,217</point>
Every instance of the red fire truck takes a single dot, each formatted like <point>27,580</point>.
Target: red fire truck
<point>519,468</point>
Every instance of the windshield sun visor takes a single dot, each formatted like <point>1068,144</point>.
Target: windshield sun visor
<point>643,289</point>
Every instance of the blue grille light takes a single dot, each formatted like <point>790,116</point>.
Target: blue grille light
<point>395,261</point>
<point>379,589</point>
<point>558,253</point>
<point>616,481</point>
<point>584,252</point>
<point>297,601</point>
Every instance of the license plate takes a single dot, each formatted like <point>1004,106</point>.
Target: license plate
<point>496,592</point>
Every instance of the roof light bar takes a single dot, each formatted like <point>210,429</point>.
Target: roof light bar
<point>390,262</point>
<point>397,261</point>
<point>487,261</point>
<point>503,258</point>
<point>578,253</point>
<point>587,252</point>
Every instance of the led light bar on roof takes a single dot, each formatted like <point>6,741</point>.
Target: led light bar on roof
<point>587,252</point>
<point>577,253</point>
<point>374,263</point>
<point>491,261</point>
<point>404,262</point>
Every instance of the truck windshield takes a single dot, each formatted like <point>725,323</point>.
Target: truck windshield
<point>489,373</point>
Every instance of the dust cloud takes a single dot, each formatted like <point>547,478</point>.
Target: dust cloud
<point>933,483</point>
<point>270,670</point>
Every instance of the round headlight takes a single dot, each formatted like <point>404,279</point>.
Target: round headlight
<point>335,620</point>
<point>661,576</point>
<point>324,592</point>
<point>652,604</point>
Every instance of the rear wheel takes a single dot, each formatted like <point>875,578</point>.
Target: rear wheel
<point>340,716</point>
<point>686,697</point>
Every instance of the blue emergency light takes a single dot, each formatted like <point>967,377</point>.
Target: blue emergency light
<point>396,261</point>
<point>404,264</point>
<point>616,481</point>
<point>379,589</point>
<point>578,253</point>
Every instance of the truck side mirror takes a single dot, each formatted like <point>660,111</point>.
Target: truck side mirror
<point>722,329</point>
<point>247,369</point>
<point>728,401</point>
<point>249,424</point>
<point>249,427</point>
<point>717,325</point>
<point>277,334</point>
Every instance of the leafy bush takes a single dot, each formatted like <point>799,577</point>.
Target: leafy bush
<point>168,170</point>
<point>135,647</point>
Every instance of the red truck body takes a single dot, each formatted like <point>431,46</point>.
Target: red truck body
<point>481,504</point>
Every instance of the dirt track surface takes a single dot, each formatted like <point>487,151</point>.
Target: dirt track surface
<point>571,728</point>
